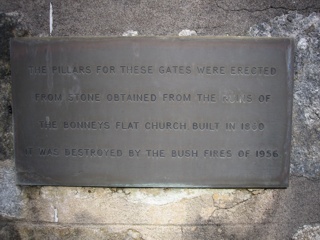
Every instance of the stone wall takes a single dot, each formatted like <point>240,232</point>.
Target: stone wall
<point>160,213</point>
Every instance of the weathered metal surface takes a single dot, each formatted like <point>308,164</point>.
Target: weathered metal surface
<point>152,112</point>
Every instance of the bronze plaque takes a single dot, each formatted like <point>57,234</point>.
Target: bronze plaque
<point>152,111</point>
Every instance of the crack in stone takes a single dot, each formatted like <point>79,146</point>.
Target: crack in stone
<point>317,114</point>
<point>234,205</point>
<point>267,8</point>
<point>256,192</point>
<point>227,208</point>
<point>314,179</point>
<point>252,195</point>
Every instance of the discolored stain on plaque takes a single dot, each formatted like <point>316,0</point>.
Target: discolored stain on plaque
<point>152,111</point>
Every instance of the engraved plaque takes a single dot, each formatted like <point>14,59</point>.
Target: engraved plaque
<point>152,111</point>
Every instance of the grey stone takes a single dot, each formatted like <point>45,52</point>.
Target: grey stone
<point>305,157</point>
<point>98,18</point>
<point>11,201</point>
<point>130,33</point>
<point>308,232</point>
<point>187,32</point>
<point>10,26</point>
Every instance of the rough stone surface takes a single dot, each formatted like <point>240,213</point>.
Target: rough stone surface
<point>10,26</point>
<point>130,33</point>
<point>11,199</point>
<point>187,32</point>
<point>308,232</point>
<point>305,160</point>
<point>151,17</point>
<point>180,214</point>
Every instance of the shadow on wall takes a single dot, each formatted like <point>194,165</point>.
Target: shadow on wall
<point>267,214</point>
